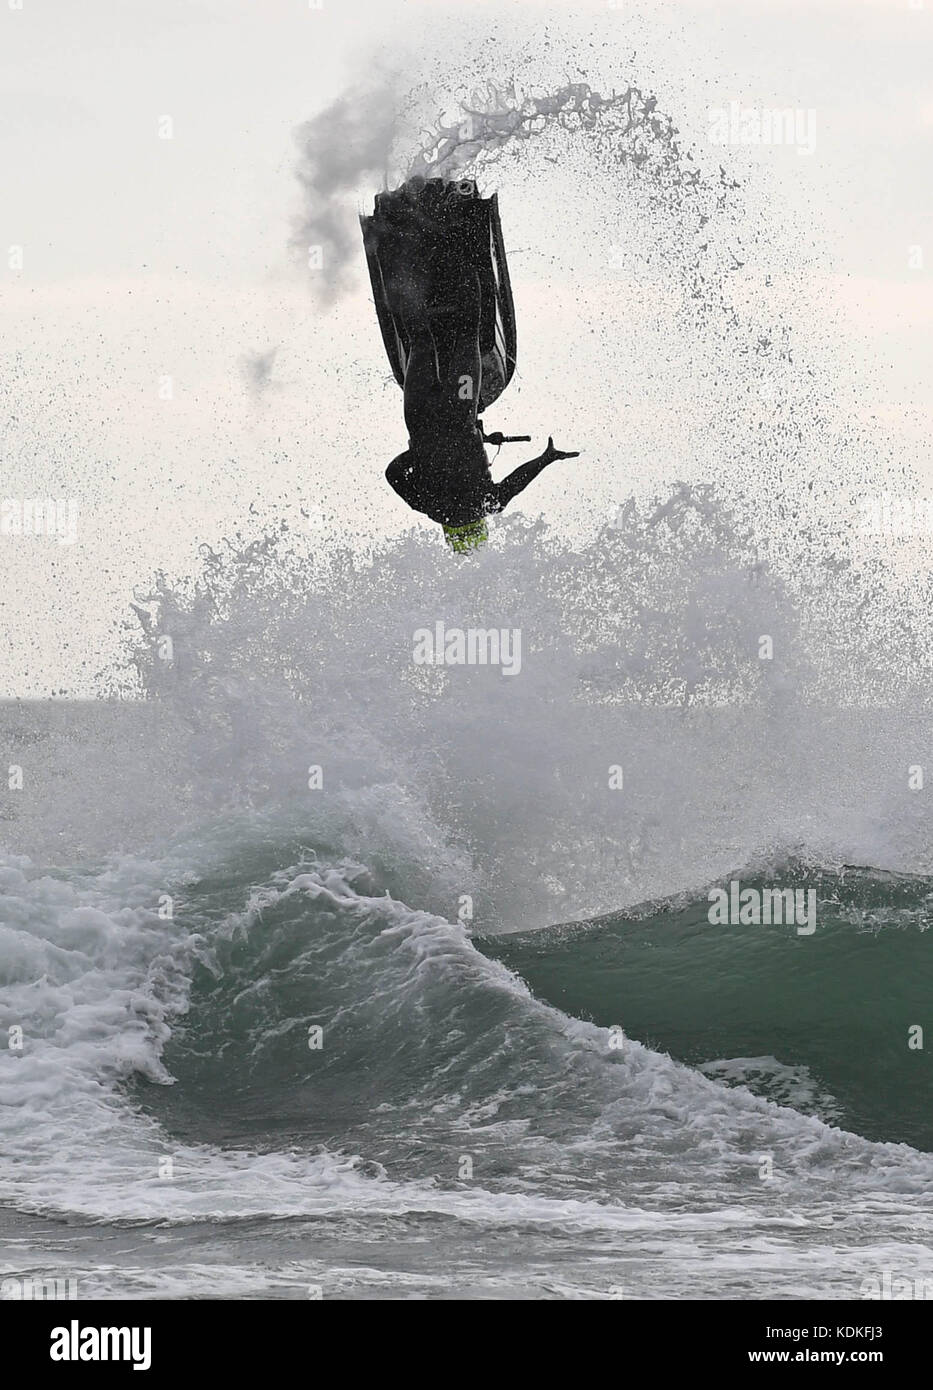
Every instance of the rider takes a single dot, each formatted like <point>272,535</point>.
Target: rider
<point>444,472</point>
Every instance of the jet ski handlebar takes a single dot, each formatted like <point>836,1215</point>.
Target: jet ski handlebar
<point>498,438</point>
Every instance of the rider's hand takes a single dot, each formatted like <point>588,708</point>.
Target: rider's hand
<point>551,453</point>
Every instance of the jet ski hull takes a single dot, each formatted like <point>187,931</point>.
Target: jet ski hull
<point>418,242</point>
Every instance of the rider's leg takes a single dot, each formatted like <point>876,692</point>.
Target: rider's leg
<point>421,384</point>
<point>444,372</point>
<point>456,331</point>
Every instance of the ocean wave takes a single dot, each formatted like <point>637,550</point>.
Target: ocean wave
<point>166,1073</point>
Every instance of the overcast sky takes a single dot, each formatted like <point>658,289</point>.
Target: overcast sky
<point>146,258</point>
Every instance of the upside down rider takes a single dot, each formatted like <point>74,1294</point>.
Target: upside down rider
<point>435,296</point>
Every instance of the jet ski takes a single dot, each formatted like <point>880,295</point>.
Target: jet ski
<point>418,241</point>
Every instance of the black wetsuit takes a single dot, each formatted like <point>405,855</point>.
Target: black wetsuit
<point>444,472</point>
<point>446,476</point>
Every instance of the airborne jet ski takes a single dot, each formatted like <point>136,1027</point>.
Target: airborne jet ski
<point>441,287</point>
<point>418,241</point>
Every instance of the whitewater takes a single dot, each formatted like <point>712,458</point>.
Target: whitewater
<point>326,973</point>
